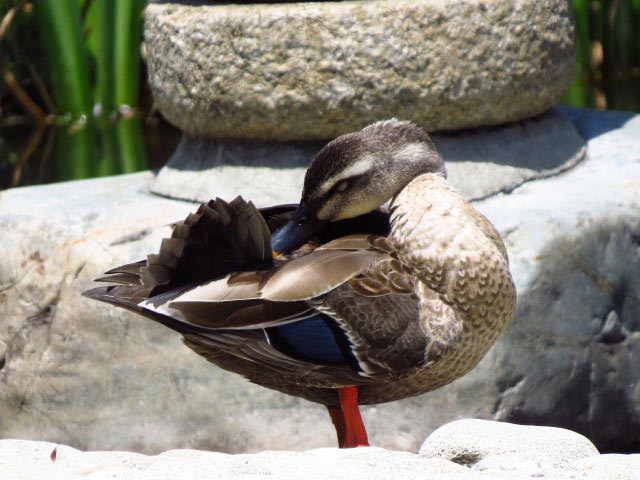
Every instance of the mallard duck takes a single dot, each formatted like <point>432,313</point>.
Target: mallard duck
<point>335,299</point>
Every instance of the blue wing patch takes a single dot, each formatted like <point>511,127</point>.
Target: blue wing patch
<point>318,339</point>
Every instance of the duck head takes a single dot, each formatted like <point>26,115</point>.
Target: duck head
<point>357,173</point>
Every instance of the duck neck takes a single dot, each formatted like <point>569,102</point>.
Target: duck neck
<point>411,193</point>
<point>455,253</point>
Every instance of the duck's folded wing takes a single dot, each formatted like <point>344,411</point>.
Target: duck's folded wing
<point>250,346</point>
<point>215,282</point>
<point>278,295</point>
<point>191,277</point>
<point>362,309</point>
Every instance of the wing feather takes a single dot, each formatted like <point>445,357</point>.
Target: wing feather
<point>315,274</point>
<point>215,282</point>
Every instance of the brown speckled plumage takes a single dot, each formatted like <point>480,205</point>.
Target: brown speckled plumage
<point>419,294</point>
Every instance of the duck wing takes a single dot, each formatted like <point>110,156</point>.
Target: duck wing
<point>363,311</point>
<point>215,282</point>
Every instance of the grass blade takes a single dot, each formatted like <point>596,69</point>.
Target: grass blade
<point>131,144</point>
<point>128,24</point>
<point>101,24</point>
<point>59,21</point>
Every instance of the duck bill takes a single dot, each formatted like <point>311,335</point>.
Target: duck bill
<point>297,232</point>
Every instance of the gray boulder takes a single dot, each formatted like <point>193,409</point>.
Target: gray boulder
<point>29,460</point>
<point>480,162</point>
<point>574,242</point>
<point>468,442</point>
<point>313,71</point>
<point>95,377</point>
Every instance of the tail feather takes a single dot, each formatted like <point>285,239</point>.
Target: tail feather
<point>133,268</point>
<point>128,297</point>
<point>120,278</point>
<point>218,238</point>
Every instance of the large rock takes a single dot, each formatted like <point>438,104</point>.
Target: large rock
<point>29,460</point>
<point>24,460</point>
<point>480,162</point>
<point>317,70</point>
<point>570,357</point>
<point>471,441</point>
<point>95,377</point>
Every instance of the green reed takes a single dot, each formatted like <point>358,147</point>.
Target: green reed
<point>607,55</point>
<point>93,55</point>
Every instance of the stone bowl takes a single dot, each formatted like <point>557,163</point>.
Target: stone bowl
<point>313,71</point>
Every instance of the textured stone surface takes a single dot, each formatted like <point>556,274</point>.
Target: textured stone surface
<point>94,377</point>
<point>574,243</point>
<point>479,162</point>
<point>611,466</point>
<point>469,441</point>
<point>25,460</point>
<point>514,464</point>
<point>599,467</point>
<point>317,70</point>
<point>28,460</point>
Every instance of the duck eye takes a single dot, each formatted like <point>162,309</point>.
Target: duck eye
<point>342,186</point>
<point>302,220</point>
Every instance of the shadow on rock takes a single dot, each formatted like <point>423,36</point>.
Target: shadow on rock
<point>201,154</point>
<point>592,123</point>
<point>570,357</point>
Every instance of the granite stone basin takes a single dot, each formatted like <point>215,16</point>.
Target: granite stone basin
<point>313,71</point>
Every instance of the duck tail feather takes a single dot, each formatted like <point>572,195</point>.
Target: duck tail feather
<point>218,238</point>
<point>129,298</point>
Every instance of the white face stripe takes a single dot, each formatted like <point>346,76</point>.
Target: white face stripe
<point>361,166</point>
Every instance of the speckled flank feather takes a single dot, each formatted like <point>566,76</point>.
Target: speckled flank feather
<point>416,297</point>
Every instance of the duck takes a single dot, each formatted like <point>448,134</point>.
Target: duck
<point>382,283</point>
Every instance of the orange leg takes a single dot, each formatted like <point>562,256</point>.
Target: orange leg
<point>347,420</point>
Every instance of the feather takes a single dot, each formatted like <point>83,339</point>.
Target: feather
<point>315,274</point>
<point>259,352</point>
<point>368,287</point>
<point>266,314</point>
<point>241,314</point>
<point>317,338</point>
<point>129,297</point>
<point>121,278</point>
<point>223,209</point>
<point>350,242</point>
<point>219,291</point>
<point>128,268</point>
<point>180,230</point>
<point>384,245</point>
<point>172,246</point>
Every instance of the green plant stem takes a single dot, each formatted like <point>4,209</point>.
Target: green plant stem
<point>75,153</point>
<point>131,144</point>
<point>59,21</point>
<point>104,24</point>
<point>128,24</point>
<point>108,163</point>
